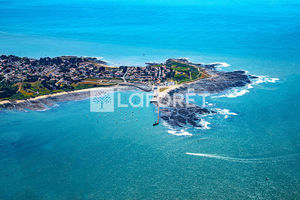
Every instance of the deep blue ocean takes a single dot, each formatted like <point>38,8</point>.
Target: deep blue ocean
<point>251,149</point>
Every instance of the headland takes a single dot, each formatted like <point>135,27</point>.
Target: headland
<point>37,84</point>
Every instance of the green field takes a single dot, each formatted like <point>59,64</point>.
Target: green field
<point>184,72</point>
<point>26,90</point>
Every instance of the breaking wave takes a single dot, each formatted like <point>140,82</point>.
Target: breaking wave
<point>176,132</point>
<point>233,93</point>
<point>265,79</point>
<point>225,112</point>
<point>236,92</point>
<point>204,124</point>
<point>220,64</point>
<point>179,132</point>
<point>184,132</point>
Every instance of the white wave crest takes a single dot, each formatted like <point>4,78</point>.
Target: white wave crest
<point>265,79</point>
<point>233,93</point>
<point>221,64</point>
<point>176,132</point>
<point>225,112</point>
<point>204,124</point>
<point>179,132</point>
<point>236,92</point>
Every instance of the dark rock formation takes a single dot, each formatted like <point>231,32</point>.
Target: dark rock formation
<point>179,114</point>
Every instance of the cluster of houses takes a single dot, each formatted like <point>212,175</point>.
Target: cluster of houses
<point>151,74</point>
<point>65,69</point>
<point>72,69</point>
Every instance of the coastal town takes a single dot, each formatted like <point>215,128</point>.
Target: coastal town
<point>37,84</point>
<point>23,78</point>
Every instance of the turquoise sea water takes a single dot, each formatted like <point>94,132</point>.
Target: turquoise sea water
<point>67,152</point>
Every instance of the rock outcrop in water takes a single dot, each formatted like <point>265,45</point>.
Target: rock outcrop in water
<point>184,114</point>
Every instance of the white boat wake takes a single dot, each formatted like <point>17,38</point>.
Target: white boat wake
<point>223,157</point>
<point>244,160</point>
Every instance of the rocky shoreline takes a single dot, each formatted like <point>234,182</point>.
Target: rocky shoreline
<point>180,113</point>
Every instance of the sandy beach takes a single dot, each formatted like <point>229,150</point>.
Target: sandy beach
<point>60,94</point>
<point>173,87</point>
<point>65,96</point>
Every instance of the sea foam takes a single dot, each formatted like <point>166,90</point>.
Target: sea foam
<point>176,132</point>
<point>265,79</point>
<point>179,132</point>
<point>221,64</point>
<point>236,92</point>
<point>204,124</point>
<point>225,112</point>
<point>233,93</point>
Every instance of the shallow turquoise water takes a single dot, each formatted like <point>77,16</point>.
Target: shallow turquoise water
<point>67,152</point>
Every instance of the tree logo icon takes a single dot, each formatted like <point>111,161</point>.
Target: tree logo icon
<point>102,101</point>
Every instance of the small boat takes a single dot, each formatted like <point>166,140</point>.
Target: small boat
<point>156,123</point>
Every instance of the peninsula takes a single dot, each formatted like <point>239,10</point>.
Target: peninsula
<point>24,78</point>
<point>36,84</point>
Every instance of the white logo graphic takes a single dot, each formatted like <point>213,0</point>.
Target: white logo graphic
<point>102,101</point>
